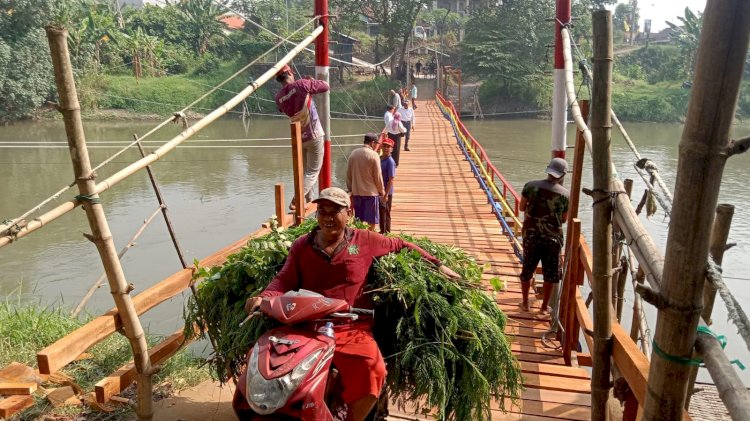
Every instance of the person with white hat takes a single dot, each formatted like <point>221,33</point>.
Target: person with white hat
<point>545,207</point>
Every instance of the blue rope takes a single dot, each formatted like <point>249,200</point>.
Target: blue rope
<point>496,207</point>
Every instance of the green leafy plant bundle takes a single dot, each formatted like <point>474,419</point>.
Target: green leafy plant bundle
<point>443,340</point>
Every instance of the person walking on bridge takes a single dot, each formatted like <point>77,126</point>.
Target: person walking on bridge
<point>365,181</point>
<point>395,130</point>
<point>388,168</point>
<point>395,101</point>
<point>408,119</point>
<point>545,207</point>
<point>295,100</point>
<point>413,95</point>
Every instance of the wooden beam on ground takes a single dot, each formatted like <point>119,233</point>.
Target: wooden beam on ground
<point>118,381</point>
<point>24,388</point>
<point>14,404</point>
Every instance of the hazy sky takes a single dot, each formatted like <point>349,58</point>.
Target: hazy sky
<point>660,11</point>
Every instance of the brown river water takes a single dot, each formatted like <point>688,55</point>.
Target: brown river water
<point>219,188</point>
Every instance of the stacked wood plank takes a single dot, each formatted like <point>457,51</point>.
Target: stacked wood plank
<point>436,195</point>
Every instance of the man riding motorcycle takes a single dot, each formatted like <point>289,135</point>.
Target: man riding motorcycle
<point>334,260</point>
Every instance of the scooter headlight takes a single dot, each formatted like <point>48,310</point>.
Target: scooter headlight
<point>266,396</point>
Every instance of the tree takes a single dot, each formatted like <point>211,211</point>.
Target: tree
<point>396,19</point>
<point>509,42</point>
<point>688,37</point>
<point>202,19</point>
<point>26,78</point>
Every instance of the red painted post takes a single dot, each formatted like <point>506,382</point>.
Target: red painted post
<point>559,97</point>
<point>324,99</point>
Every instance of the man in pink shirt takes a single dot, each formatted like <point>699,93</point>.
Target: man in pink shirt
<point>295,100</point>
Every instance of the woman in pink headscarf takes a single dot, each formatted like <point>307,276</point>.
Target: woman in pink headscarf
<point>396,130</point>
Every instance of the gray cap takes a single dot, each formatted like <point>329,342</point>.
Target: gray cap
<point>557,168</point>
<point>335,195</point>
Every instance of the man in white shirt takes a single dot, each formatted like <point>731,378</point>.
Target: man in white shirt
<point>395,100</point>
<point>409,120</point>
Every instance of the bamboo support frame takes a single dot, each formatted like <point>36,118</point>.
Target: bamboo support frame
<point>601,127</point>
<point>569,320</point>
<point>642,244</point>
<point>733,393</point>
<point>719,237</point>
<point>130,244</point>
<point>721,57</point>
<point>154,156</point>
<point>164,211</point>
<point>101,235</point>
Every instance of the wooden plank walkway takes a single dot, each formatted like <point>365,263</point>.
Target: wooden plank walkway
<point>437,196</point>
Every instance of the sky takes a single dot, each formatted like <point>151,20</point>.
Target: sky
<point>660,11</point>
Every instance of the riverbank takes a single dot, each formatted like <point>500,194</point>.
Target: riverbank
<point>125,98</point>
<point>27,328</point>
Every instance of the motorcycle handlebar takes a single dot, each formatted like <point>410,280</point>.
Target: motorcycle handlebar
<point>363,311</point>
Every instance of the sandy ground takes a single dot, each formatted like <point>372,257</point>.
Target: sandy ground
<point>205,402</point>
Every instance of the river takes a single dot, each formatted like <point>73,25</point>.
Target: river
<point>219,188</point>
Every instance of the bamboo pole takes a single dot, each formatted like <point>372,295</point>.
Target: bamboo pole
<point>622,276</point>
<point>164,212</point>
<point>154,156</point>
<point>703,152</point>
<point>101,235</point>
<point>719,237</point>
<point>732,391</point>
<point>130,244</point>
<point>299,182</point>
<point>569,313</point>
<point>601,127</point>
<point>569,286</point>
<point>639,240</point>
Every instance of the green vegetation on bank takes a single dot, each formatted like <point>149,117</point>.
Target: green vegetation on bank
<point>27,328</point>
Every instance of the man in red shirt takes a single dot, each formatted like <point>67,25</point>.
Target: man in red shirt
<point>334,260</point>
<point>295,100</point>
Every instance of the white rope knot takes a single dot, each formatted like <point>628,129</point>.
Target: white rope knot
<point>180,117</point>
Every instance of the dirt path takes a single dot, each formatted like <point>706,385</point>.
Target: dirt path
<point>205,402</point>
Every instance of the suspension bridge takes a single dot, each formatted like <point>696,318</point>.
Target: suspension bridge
<point>449,190</point>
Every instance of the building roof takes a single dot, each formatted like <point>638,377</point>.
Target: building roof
<point>233,22</point>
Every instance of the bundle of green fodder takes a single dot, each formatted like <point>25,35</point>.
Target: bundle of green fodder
<point>443,340</point>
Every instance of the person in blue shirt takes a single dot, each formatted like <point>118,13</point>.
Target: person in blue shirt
<point>388,167</point>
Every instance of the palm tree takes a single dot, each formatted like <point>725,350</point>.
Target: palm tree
<point>203,19</point>
<point>688,37</point>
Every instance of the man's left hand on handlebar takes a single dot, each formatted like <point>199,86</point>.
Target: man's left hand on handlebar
<point>252,304</point>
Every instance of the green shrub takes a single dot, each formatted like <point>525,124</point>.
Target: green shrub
<point>643,102</point>
<point>652,63</point>
<point>207,64</point>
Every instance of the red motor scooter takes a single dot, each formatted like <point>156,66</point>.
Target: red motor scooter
<point>288,368</point>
